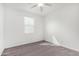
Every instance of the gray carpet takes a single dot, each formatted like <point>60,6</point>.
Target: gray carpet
<point>39,49</point>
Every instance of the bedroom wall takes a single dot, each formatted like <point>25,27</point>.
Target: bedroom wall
<point>64,25</point>
<point>1,28</point>
<point>14,28</point>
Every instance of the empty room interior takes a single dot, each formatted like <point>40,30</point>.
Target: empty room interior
<point>39,29</point>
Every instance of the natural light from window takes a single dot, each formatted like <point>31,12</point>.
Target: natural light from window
<point>28,25</point>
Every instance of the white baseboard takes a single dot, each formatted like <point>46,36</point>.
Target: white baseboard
<point>66,47</point>
<point>70,48</point>
<point>58,44</point>
<point>21,43</point>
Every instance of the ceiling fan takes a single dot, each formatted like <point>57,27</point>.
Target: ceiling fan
<point>41,5</point>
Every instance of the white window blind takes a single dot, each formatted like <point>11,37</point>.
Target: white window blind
<point>28,25</point>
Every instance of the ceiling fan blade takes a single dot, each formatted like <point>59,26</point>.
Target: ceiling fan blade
<point>34,6</point>
<point>48,4</point>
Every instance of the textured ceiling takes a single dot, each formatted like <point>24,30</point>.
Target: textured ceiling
<point>27,7</point>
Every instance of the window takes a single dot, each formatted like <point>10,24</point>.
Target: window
<point>28,25</point>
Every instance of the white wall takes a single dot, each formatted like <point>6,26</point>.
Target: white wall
<point>64,24</point>
<point>1,27</point>
<point>14,28</point>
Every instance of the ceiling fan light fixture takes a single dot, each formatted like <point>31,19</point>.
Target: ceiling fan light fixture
<point>40,4</point>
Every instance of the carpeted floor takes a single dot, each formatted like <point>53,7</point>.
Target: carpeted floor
<point>39,49</point>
